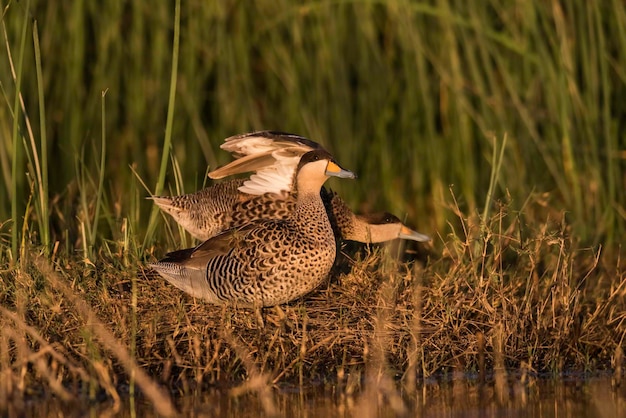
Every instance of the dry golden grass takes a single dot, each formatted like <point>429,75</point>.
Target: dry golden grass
<point>505,298</point>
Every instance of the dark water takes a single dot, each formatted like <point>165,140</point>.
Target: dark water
<point>565,397</point>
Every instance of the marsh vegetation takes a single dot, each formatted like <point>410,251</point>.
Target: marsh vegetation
<point>496,129</point>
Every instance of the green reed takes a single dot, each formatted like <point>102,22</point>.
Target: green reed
<point>408,95</point>
<point>42,184</point>
<point>16,193</point>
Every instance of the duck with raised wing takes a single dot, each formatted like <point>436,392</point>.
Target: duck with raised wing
<point>267,194</point>
<point>265,262</point>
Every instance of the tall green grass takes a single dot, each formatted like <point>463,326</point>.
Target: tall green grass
<point>168,126</point>
<point>17,180</point>
<point>410,95</point>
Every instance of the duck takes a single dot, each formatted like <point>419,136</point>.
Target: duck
<point>273,155</point>
<point>371,228</point>
<point>266,262</point>
<point>217,208</point>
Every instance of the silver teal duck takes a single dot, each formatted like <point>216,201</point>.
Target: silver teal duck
<point>368,228</point>
<point>215,209</point>
<point>268,194</point>
<point>269,261</point>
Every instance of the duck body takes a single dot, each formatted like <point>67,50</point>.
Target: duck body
<point>203,214</point>
<point>264,262</point>
<point>217,208</point>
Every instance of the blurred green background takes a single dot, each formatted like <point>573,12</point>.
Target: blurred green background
<point>413,96</point>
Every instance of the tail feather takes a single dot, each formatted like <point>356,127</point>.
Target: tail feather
<point>191,281</point>
<point>164,202</point>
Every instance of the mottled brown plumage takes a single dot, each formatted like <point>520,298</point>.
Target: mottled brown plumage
<point>269,261</point>
<point>215,209</point>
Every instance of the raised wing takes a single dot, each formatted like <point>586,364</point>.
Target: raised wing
<point>272,155</point>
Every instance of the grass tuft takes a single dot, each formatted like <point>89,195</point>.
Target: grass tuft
<point>526,305</point>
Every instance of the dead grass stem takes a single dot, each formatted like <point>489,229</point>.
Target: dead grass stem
<point>496,302</point>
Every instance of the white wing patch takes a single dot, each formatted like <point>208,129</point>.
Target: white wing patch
<point>276,178</point>
<point>274,160</point>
